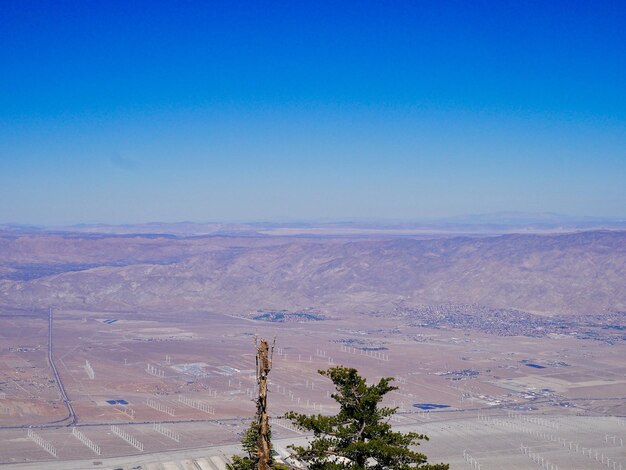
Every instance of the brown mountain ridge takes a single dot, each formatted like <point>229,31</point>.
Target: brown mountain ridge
<point>578,273</point>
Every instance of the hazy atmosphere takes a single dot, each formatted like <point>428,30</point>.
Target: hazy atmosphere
<point>119,112</point>
<point>323,235</point>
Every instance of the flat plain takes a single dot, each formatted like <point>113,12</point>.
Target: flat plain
<point>499,357</point>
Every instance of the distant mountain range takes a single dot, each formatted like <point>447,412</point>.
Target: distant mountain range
<point>519,219</point>
<point>497,222</point>
<point>578,272</point>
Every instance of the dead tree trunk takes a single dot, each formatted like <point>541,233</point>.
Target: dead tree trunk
<point>263,446</point>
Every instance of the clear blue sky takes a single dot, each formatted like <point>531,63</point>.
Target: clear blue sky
<point>136,111</point>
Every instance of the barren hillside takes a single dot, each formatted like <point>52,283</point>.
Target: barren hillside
<point>567,273</point>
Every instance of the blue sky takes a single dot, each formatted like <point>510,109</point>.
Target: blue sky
<point>124,112</point>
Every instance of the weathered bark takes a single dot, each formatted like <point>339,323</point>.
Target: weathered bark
<point>263,441</point>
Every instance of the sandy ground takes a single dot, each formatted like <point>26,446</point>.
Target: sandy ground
<point>159,365</point>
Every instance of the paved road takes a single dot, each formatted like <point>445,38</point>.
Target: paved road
<point>57,378</point>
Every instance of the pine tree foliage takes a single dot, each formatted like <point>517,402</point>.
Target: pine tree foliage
<point>248,442</point>
<point>251,460</point>
<point>359,436</point>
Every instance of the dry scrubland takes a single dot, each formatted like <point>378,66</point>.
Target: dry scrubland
<point>567,273</point>
<point>167,325</point>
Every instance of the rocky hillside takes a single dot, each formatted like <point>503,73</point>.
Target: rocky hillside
<point>581,272</point>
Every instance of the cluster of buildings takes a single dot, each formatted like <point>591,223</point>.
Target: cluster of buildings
<point>610,328</point>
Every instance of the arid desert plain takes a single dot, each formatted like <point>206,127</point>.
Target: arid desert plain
<point>152,341</point>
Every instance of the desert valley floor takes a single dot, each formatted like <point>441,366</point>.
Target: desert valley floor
<point>508,349</point>
<point>481,398</point>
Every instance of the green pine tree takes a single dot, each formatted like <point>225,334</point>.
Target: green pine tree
<point>248,442</point>
<point>360,436</point>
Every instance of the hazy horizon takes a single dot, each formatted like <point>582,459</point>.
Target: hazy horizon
<point>498,222</point>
